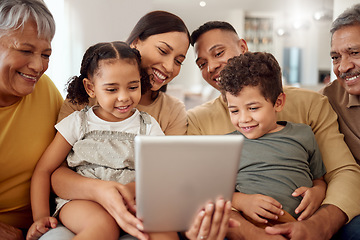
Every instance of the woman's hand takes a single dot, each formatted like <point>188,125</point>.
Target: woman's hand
<point>40,227</point>
<point>8,232</point>
<point>212,222</point>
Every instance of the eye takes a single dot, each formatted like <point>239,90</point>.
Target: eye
<point>253,108</point>
<point>111,90</point>
<point>201,65</point>
<point>219,54</point>
<point>26,51</point>
<point>162,51</point>
<point>178,62</point>
<point>46,56</point>
<point>234,111</point>
<point>133,88</point>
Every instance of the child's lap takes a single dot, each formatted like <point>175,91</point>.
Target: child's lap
<point>78,215</point>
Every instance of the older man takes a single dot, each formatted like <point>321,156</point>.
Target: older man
<point>344,92</point>
<point>215,43</point>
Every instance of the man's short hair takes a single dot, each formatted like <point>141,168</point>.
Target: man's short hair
<point>350,16</point>
<point>210,26</point>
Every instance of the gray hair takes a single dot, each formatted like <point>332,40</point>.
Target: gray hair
<point>15,13</point>
<point>350,16</point>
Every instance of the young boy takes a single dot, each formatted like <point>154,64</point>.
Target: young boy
<point>281,167</point>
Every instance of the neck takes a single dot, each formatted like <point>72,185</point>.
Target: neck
<point>147,98</point>
<point>6,100</point>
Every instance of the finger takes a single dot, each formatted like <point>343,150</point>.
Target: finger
<point>281,229</point>
<point>233,223</point>
<point>272,201</point>
<point>306,213</point>
<point>53,222</point>
<point>217,217</point>
<point>302,206</point>
<point>225,221</point>
<point>128,222</point>
<point>128,197</point>
<point>299,191</point>
<point>195,226</point>
<point>205,224</point>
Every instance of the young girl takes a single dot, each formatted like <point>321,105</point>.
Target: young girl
<point>97,141</point>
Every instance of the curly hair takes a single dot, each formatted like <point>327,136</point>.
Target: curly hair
<point>90,65</point>
<point>252,69</point>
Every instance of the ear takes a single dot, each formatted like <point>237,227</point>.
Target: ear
<point>89,87</point>
<point>134,43</point>
<point>243,46</point>
<point>280,102</point>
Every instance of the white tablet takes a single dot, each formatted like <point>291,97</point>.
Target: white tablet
<point>177,175</point>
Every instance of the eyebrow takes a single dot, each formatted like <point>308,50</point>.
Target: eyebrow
<point>115,84</point>
<point>248,104</point>
<point>172,49</point>
<point>32,46</point>
<point>357,48</point>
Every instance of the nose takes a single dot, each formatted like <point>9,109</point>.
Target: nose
<point>244,117</point>
<point>169,65</point>
<point>212,66</point>
<point>37,64</point>
<point>346,64</point>
<point>123,96</point>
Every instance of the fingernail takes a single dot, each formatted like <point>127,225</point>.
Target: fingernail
<point>202,213</point>
<point>140,227</point>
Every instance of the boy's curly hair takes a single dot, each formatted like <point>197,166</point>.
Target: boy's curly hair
<point>252,69</point>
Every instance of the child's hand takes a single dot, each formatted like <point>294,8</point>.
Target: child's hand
<point>260,207</point>
<point>41,226</point>
<point>312,199</point>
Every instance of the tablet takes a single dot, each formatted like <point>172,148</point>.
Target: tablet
<point>177,175</point>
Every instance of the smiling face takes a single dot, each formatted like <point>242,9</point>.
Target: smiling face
<point>213,49</point>
<point>162,56</point>
<point>24,57</point>
<point>117,89</point>
<point>252,114</point>
<point>345,53</point>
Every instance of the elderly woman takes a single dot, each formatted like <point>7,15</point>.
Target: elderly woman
<point>29,105</point>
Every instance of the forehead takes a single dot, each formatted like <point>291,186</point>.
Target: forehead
<point>346,37</point>
<point>177,40</point>
<point>213,38</point>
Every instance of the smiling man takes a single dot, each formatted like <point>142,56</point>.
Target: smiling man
<point>344,92</point>
<point>215,43</point>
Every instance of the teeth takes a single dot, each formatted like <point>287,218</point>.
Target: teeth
<point>27,76</point>
<point>123,107</point>
<point>352,78</point>
<point>217,79</point>
<point>159,75</point>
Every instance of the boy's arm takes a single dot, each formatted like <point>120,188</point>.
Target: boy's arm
<point>312,198</point>
<point>51,159</point>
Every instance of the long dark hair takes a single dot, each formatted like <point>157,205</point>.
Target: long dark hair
<point>90,65</point>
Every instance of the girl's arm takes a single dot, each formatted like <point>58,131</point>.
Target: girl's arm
<point>51,159</point>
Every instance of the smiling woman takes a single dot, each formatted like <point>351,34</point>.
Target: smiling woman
<point>162,40</point>
<point>29,104</point>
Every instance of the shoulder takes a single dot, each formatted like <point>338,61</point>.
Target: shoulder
<point>170,101</point>
<point>206,108</point>
<point>302,95</point>
<point>333,89</point>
